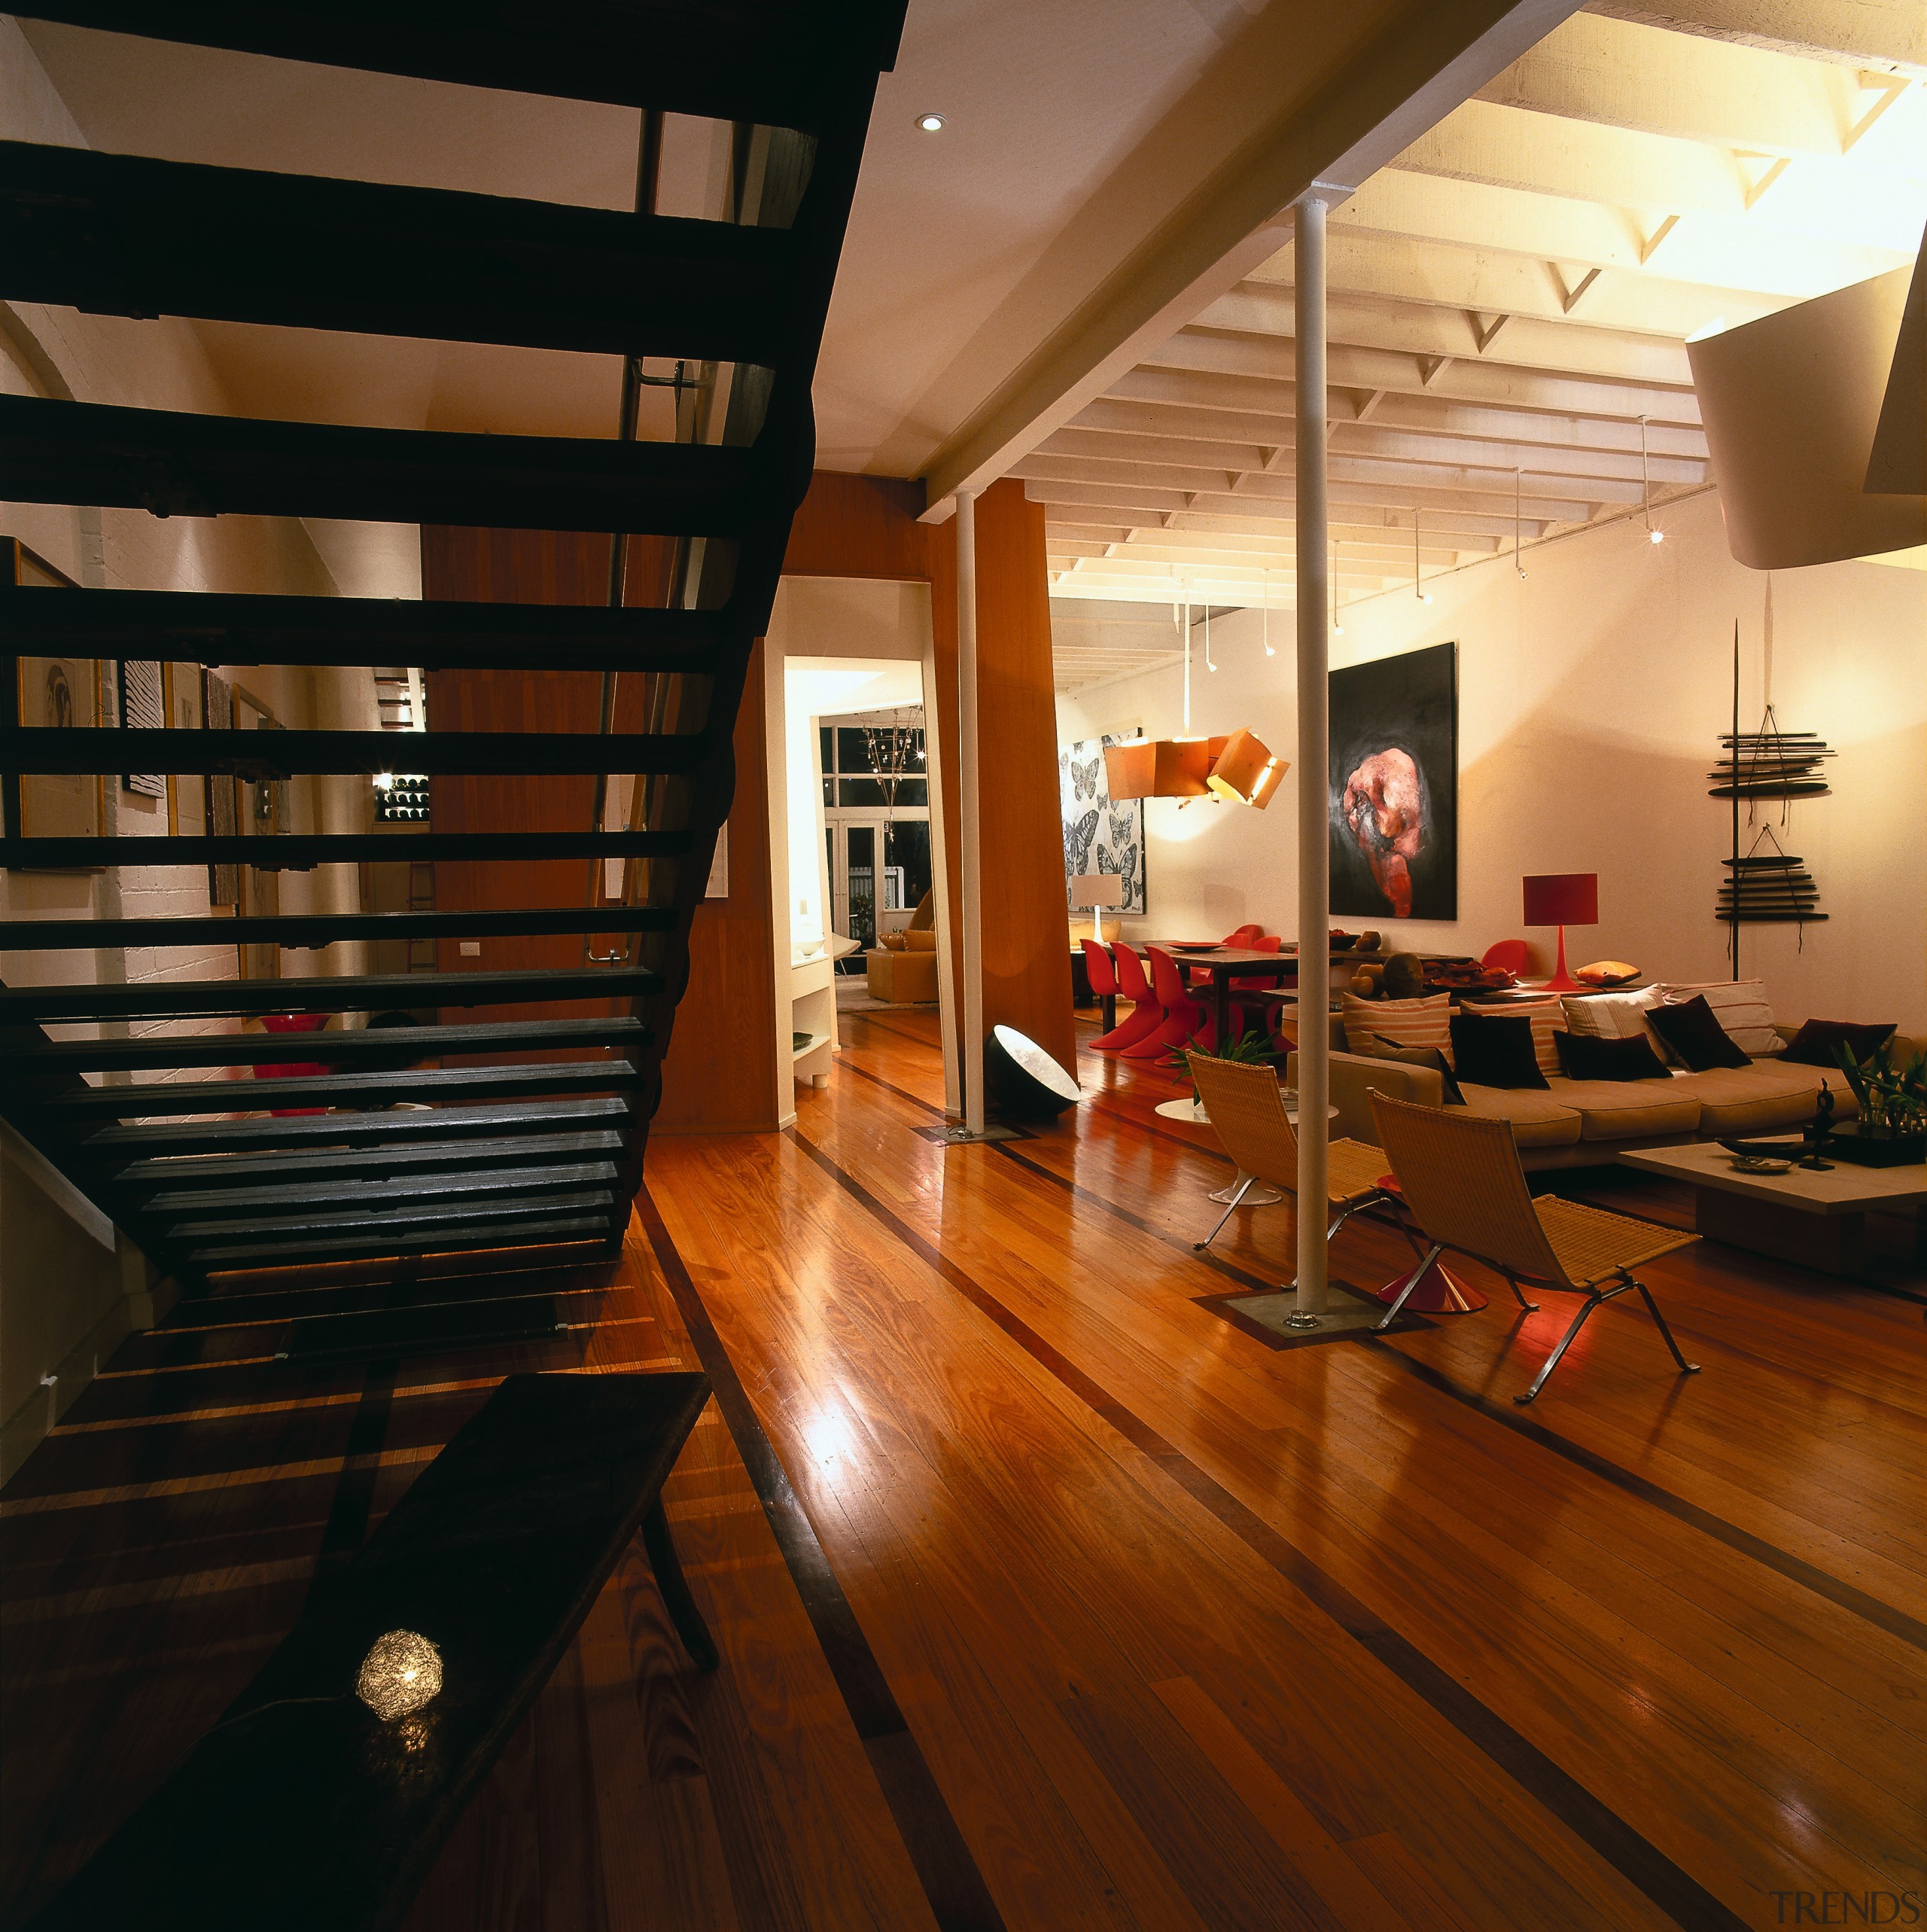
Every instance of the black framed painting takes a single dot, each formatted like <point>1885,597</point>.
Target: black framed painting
<point>1394,787</point>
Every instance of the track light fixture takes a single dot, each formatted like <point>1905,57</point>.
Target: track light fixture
<point>1423,596</point>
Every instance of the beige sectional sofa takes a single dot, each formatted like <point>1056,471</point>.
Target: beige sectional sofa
<point>1585,1124</point>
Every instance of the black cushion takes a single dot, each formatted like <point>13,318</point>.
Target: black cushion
<point>1496,1052</point>
<point>1693,1031</point>
<point>1383,1049</point>
<point>1589,1056</point>
<point>1819,1041</point>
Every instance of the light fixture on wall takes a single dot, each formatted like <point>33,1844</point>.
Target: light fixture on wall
<point>1516,564</point>
<point>1423,596</point>
<point>1645,490</point>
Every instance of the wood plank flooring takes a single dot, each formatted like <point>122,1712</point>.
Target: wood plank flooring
<point>1048,1596</point>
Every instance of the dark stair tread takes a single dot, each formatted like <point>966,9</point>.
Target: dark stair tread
<point>177,463</point>
<point>451,1124</point>
<point>292,753</point>
<point>334,1045</point>
<point>450,1085</point>
<point>350,993</point>
<point>229,627</point>
<point>566,1230</point>
<point>312,929</point>
<point>122,234</point>
<point>299,852</point>
<point>491,1183</point>
<point>397,1213</point>
<point>776,64</point>
<point>477,1157</point>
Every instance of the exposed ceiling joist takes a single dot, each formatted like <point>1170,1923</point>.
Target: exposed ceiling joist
<point>1889,33</point>
<point>1418,416</point>
<point>1203,368</point>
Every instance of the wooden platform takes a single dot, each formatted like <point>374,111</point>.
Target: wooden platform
<point>1047,1596</point>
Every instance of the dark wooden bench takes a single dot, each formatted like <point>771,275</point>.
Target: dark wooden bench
<point>301,1807</point>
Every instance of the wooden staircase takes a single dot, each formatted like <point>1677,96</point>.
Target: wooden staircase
<point>542,1142</point>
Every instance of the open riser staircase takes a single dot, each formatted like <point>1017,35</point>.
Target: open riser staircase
<point>527,1128</point>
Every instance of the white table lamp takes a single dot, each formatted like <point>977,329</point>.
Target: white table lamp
<point>1093,891</point>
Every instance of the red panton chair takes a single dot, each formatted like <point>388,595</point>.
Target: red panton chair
<point>1256,942</point>
<point>1146,1016</point>
<point>1197,978</point>
<point>1509,955</point>
<point>1103,976</point>
<point>1184,1018</point>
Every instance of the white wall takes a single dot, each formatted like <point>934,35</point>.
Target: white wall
<point>1591,698</point>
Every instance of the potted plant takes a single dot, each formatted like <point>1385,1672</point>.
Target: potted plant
<point>1249,1049</point>
<point>1892,1130</point>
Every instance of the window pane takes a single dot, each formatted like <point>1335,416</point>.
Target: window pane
<point>829,744</point>
<point>853,750</point>
<point>873,791</point>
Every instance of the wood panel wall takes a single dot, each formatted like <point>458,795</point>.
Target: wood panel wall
<point>723,1072</point>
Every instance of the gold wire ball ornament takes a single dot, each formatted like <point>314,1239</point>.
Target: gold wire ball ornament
<point>401,1673</point>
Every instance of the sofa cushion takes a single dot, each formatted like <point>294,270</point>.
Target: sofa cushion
<point>1741,1007</point>
<point>1590,1057</point>
<point>1422,1023</point>
<point>1631,1109</point>
<point>1818,1042</point>
<point>1810,1080</point>
<point>1545,1016</point>
<point>1537,1119</point>
<point>1694,1035</point>
<point>1496,1052</point>
<point>1752,1099</point>
<point>1615,1016</point>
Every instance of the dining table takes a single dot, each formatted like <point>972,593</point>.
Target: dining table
<point>1224,963</point>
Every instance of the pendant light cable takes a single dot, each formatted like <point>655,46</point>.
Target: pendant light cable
<point>1516,564</point>
<point>1646,490</point>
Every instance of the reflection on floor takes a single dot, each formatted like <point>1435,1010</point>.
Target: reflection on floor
<point>1048,1598</point>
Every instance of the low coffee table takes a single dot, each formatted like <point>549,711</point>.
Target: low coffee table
<point>1817,1219</point>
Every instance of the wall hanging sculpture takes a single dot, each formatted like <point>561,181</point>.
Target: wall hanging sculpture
<point>1101,833</point>
<point>1765,884</point>
<point>1394,786</point>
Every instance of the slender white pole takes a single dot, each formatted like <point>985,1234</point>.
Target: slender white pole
<point>971,1043</point>
<point>1314,850</point>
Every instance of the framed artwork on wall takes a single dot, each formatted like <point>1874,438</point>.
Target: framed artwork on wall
<point>57,692</point>
<point>187,794</point>
<point>1394,787</point>
<point>1100,834</point>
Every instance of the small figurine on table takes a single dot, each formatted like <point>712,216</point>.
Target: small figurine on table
<point>1815,1136</point>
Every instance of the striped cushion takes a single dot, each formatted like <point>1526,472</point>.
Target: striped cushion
<point>1745,1013</point>
<point>1426,1023</point>
<point>1548,1017</point>
<point>1615,1016</point>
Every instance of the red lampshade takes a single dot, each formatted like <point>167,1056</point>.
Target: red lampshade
<point>1562,899</point>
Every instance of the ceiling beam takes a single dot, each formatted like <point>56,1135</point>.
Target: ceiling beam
<point>1363,542</point>
<point>1488,283</point>
<point>1391,321</point>
<point>1170,415</point>
<point>1390,503</point>
<point>1199,368</point>
<point>1723,252</point>
<point>1891,36</point>
<point>1622,74</point>
<point>1333,127</point>
<point>1382,441</point>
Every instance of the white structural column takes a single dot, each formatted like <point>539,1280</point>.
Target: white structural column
<point>1314,851</point>
<point>970,1043</point>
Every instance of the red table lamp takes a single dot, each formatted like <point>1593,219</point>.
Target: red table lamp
<point>1562,899</point>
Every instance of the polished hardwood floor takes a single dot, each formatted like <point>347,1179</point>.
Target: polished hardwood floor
<point>1048,1594</point>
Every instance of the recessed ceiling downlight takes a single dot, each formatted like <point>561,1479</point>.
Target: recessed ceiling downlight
<point>931,123</point>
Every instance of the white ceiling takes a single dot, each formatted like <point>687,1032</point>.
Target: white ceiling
<point>1508,299</point>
